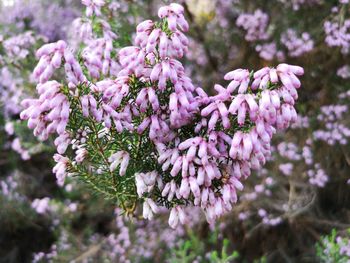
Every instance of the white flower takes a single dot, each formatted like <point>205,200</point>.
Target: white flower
<point>145,182</point>
<point>41,206</point>
<point>177,214</point>
<point>121,158</point>
<point>149,208</point>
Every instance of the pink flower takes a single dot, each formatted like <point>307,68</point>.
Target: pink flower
<point>50,59</point>
<point>255,24</point>
<point>62,142</point>
<point>93,7</point>
<point>286,169</point>
<point>288,73</point>
<point>49,113</point>
<point>242,104</point>
<point>41,206</point>
<point>240,78</point>
<point>60,168</point>
<point>175,16</point>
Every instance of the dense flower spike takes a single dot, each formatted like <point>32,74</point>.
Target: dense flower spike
<point>149,130</point>
<point>49,113</point>
<point>97,56</point>
<point>51,56</point>
<point>175,16</point>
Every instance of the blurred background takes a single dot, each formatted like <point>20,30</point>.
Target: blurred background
<point>297,209</point>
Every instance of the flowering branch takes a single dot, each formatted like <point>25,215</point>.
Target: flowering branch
<point>146,133</point>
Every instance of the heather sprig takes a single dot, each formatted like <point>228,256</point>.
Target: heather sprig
<point>145,133</point>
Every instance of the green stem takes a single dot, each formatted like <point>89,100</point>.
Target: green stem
<point>101,151</point>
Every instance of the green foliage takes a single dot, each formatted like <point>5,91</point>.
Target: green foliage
<point>224,257</point>
<point>328,249</point>
<point>194,250</point>
<point>263,259</point>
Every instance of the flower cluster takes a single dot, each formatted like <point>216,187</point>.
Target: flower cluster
<point>41,206</point>
<point>297,46</point>
<point>18,46</point>
<point>51,56</point>
<point>297,4</point>
<point>338,35</point>
<point>255,24</point>
<point>160,139</point>
<point>334,131</point>
<point>17,147</point>
<point>269,51</point>
<point>48,18</point>
<point>93,7</point>
<point>317,176</point>
<point>335,247</point>
<point>97,58</point>
<point>48,114</point>
<point>344,246</point>
<point>10,92</point>
<point>8,187</point>
<point>344,72</point>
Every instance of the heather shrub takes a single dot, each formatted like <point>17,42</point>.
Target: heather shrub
<point>227,120</point>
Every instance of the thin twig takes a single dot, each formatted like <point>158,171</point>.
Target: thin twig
<point>92,250</point>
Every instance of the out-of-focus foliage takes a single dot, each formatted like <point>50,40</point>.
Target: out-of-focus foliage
<point>334,248</point>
